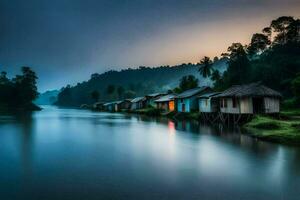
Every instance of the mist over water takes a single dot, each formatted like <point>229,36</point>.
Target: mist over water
<point>78,154</point>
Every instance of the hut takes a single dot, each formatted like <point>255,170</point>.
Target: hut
<point>138,103</point>
<point>187,101</point>
<point>117,106</point>
<point>253,98</point>
<point>109,106</point>
<point>123,105</point>
<point>166,102</point>
<point>208,104</point>
<point>150,98</point>
<point>98,106</point>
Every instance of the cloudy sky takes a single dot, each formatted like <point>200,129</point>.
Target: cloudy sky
<point>65,41</point>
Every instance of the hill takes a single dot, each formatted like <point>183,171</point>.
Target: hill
<point>129,83</point>
<point>47,98</point>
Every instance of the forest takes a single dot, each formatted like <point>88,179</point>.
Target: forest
<point>272,57</point>
<point>130,83</point>
<point>18,92</point>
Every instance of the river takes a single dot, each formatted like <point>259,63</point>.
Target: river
<point>78,154</point>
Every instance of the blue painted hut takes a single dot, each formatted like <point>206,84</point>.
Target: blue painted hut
<point>187,101</point>
<point>109,106</point>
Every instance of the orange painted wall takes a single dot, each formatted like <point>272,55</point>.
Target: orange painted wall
<point>171,105</point>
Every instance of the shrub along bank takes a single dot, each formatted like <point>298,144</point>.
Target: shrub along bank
<point>285,130</point>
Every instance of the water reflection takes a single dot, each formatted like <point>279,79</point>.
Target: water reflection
<point>86,155</point>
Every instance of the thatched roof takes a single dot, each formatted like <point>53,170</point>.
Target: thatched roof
<point>99,103</point>
<point>208,95</point>
<point>137,99</point>
<point>191,92</point>
<point>122,101</point>
<point>154,95</point>
<point>108,104</point>
<point>250,90</point>
<point>165,98</point>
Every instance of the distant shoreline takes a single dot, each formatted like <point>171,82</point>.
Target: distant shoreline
<point>23,108</point>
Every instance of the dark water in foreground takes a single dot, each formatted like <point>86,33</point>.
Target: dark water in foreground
<point>77,154</point>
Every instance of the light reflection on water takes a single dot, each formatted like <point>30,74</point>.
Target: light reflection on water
<point>77,154</point>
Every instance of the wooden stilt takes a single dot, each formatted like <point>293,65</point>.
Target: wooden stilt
<point>215,118</point>
<point>228,119</point>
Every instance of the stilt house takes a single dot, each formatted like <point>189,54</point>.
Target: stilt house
<point>98,106</point>
<point>109,106</point>
<point>249,99</point>
<point>208,104</point>
<point>123,105</point>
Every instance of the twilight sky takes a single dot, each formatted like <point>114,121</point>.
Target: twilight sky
<point>65,41</point>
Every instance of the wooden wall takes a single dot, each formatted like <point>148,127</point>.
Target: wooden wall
<point>230,108</point>
<point>204,105</point>
<point>246,105</point>
<point>272,105</point>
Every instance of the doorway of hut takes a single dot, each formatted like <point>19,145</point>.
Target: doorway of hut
<point>171,106</point>
<point>183,108</point>
<point>258,105</point>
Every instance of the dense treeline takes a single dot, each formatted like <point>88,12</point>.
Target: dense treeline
<point>18,92</point>
<point>129,83</point>
<point>272,57</point>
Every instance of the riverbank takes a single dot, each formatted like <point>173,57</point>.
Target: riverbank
<point>23,108</point>
<point>285,130</point>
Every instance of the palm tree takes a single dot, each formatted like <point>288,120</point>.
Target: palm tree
<point>215,76</point>
<point>205,67</point>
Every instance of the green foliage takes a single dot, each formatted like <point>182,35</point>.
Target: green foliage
<point>290,103</point>
<point>110,89</point>
<point>65,97</point>
<point>218,81</point>
<point>286,29</point>
<point>238,66</point>
<point>281,131</point>
<point>20,91</point>
<point>270,125</point>
<point>150,111</point>
<point>259,43</point>
<point>136,82</point>
<point>95,95</point>
<point>296,88</point>
<point>120,92</point>
<point>188,82</point>
<point>177,90</point>
<point>205,67</point>
<point>129,94</point>
<point>273,62</point>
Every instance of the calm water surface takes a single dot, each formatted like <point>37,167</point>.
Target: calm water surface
<point>76,154</point>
